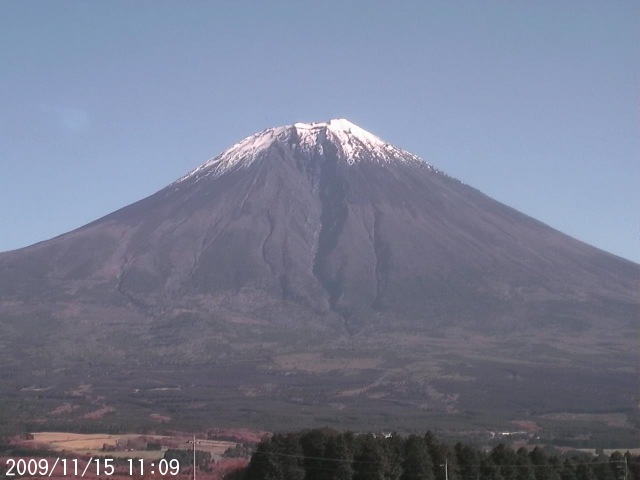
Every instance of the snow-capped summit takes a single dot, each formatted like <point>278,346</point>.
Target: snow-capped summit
<point>343,133</point>
<point>353,144</point>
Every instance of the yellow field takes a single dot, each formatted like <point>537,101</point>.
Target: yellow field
<point>76,441</point>
<point>215,447</point>
<point>91,444</point>
<point>144,454</point>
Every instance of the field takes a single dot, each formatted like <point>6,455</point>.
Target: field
<point>121,446</point>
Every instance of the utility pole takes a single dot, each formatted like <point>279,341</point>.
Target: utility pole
<point>446,469</point>
<point>194,455</point>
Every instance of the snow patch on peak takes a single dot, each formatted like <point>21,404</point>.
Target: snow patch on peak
<point>354,145</point>
<point>344,126</point>
<point>342,129</point>
<point>242,153</point>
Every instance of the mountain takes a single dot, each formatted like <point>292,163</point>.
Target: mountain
<point>314,273</point>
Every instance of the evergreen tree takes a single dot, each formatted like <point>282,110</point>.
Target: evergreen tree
<point>633,466</point>
<point>585,472</point>
<point>555,467</point>
<point>289,455</point>
<point>617,462</point>
<point>602,468</point>
<point>488,469</point>
<point>524,469</point>
<point>370,460</point>
<point>568,471</point>
<point>339,449</point>
<point>416,464</point>
<point>443,460</point>
<point>264,465</point>
<point>314,444</point>
<point>468,461</point>
<point>394,451</point>
<point>505,459</point>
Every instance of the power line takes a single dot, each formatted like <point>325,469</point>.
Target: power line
<point>390,465</point>
<point>465,465</point>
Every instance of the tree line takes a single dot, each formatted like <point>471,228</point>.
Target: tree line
<point>326,454</point>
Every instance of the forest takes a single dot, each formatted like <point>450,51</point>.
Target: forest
<point>326,454</point>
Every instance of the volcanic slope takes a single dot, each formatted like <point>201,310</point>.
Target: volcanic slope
<point>320,272</point>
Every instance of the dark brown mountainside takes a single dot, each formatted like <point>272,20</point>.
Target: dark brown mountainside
<point>316,272</point>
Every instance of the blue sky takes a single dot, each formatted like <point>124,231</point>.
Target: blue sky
<point>534,103</point>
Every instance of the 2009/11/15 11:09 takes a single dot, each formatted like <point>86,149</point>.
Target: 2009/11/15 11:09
<point>103,466</point>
